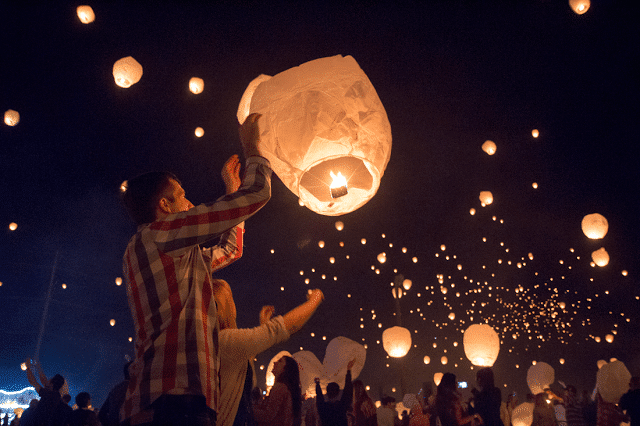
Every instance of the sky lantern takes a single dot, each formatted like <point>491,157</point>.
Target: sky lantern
<point>382,257</point>
<point>339,225</point>
<point>321,118</point>
<point>196,85</point>
<point>437,378</point>
<point>444,360</point>
<point>118,281</point>
<point>540,376</point>
<point>396,341</point>
<point>426,359</point>
<point>23,366</point>
<point>321,244</point>
<point>112,322</point>
<point>13,226</point>
<point>595,226</point>
<point>535,133</point>
<point>407,283</point>
<point>486,198</point>
<point>11,117</point>
<point>612,381</point>
<point>609,338</point>
<point>452,316</point>
<point>600,257</point>
<point>481,345</point>
<point>522,415</point>
<point>489,147</point>
<point>86,15</point>
<point>199,132</point>
<point>127,72</point>
<point>580,6</point>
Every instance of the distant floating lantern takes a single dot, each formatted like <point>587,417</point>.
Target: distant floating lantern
<point>382,257</point>
<point>339,226</point>
<point>86,15</point>
<point>112,322</point>
<point>426,359</point>
<point>118,281</point>
<point>437,378</point>
<point>600,257</point>
<point>609,338</point>
<point>13,226</point>
<point>489,147</point>
<point>535,185</point>
<point>11,117</point>
<point>444,360</point>
<point>580,6</point>
<point>64,286</point>
<point>595,226</point>
<point>472,212</point>
<point>396,341</point>
<point>443,247</point>
<point>535,133</point>
<point>123,186</point>
<point>127,72</point>
<point>196,85</point>
<point>562,305</point>
<point>486,198</point>
<point>625,273</point>
<point>321,117</point>
<point>199,132</point>
<point>321,244</point>
<point>406,284</point>
<point>539,377</point>
<point>452,316</point>
<point>23,366</point>
<point>561,360</point>
<point>481,345</point>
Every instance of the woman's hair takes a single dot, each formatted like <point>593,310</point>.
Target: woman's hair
<point>290,377</point>
<point>484,377</point>
<point>359,392</point>
<point>446,393</point>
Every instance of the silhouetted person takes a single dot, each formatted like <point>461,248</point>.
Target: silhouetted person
<point>109,413</point>
<point>487,400</point>
<point>83,416</point>
<point>630,401</point>
<point>333,410</point>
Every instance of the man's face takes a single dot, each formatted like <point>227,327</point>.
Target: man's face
<point>176,198</point>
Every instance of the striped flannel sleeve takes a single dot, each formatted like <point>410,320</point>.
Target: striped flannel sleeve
<point>228,250</point>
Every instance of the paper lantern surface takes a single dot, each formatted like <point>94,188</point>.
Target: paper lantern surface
<point>196,85</point>
<point>396,341</point>
<point>127,72</point>
<point>310,368</point>
<point>11,117</point>
<point>339,352</point>
<point>436,378</point>
<point>489,147</point>
<point>580,6</point>
<point>612,381</point>
<point>522,415</point>
<point>539,377</point>
<point>595,226</point>
<point>481,345</point>
<point>600,257</point>
<point>85,14</point>
<point>321,117</point>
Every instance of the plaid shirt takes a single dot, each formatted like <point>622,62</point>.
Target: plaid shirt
<point>170,295</point>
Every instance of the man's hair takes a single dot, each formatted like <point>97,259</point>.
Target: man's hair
<point>57,382</point>
<point>143,192</point>
<point>333,389</point>
<point>82,399</point>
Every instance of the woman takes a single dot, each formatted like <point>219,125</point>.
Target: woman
<point>284,404</point>
<point>448,406</point>
<point>364,410</point>
<point>487,400</point>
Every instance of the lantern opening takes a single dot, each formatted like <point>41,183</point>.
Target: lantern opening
<point>338,185</point>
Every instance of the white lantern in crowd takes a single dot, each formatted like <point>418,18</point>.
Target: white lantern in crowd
<point>196,85</point>
<point>127,72</point>
<point>540,376</point>
<point>600,257</point>
<point>11,117</point>
<point>86,15</point>
<point>339,352</point>
<point>481,345</point>
<point>396,341</point>
<point>486,198</point>
<point>489,147</point>
<point>322,117</point>
<point>595,226</point>
<point>436,378</point>
<point>580,6</point>
<point>522,415</point>
<point>612,381</point>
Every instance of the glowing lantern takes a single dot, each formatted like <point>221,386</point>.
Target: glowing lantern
<point>382,257</point>
<point>444,360</point>
<point>13,226</point>
<point>612,381</point>
<point>321,244</point>
<point>426,359</point>
<point>436,378</point>
<point>396,341</point>
<point>23,366</point>
<point>486,198</point>
<point>535,133</point>
<point>595,226</point>
<point>522,415</point>
<point>11,117</point>
<point>118,281</point>
<point>127,72</point>
<point>406,284</point>
<point>270,377</point>
<point>539,377</point>
<point>196,85</point>
<point>123,186</point>
<point>64,286</point>
<point>321,117</point>
<point>481,345</point>
<point>489,147</point>
<point>609,338</point>
<point>339,226</point>
<point>580,6</point>
<point>561,360</point>
<point>600,257</point>
<point>452,316</point>
<point>472,212</point>
<point>199,132</point>
<point>112,322</point>
<point>86,15</point>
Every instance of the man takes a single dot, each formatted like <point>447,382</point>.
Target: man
<point>333,412</point>
<point>84,415</point>
<point>630,401</point>
<point>109,414</point>
<point>174,376</point>
<point>387,415</point>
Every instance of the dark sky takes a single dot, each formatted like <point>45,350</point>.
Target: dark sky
<point>451,74</point>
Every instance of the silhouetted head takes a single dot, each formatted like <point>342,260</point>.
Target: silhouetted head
<point>143,193</point>
<point>56,382</point>
<point>333,389</point>
<point>484,378</point>
<point>83,399</point>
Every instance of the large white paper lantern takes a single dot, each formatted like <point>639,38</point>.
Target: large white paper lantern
<point>580,6</point>
<point>522,415</point>
<point>612,381</point>
<point>595,226</point>
<point>11,117</point>
<point>319,118</point>
<point>85,14</point>
<point>127,72</point>
<point>310,368</point>
<point>540,376</point>
<point>396,341</point>
<point>600,257</point>
<point>340,351</point>
<point>481,345</point>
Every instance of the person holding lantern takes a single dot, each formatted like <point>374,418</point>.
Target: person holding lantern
<point>448,404</point>
<point>173,378</point>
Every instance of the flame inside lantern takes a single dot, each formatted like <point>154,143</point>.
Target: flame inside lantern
<point>338,186</point>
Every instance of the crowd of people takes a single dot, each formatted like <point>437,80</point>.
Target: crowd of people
<point>194,367</point>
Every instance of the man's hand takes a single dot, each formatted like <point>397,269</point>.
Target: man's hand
<point>231,174</point>
<point>315,296</point>
<point>250,135</point>
<point>265,314</point>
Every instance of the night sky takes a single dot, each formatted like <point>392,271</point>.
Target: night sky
<point>451,74</point>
